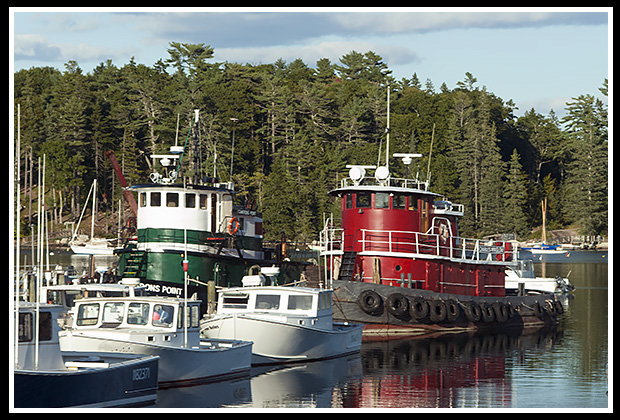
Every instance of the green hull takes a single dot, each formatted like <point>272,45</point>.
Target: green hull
<point>162,272</point>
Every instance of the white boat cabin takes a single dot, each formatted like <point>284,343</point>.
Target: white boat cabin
<point>293,305</point>
<point>150,319</point>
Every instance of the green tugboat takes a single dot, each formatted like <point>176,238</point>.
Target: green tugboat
<point>195,228</point>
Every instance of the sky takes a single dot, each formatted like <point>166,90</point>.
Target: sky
<point>538,57</point>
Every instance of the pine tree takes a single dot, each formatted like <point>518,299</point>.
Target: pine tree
<point>515,198</point>
<point>586,184</point>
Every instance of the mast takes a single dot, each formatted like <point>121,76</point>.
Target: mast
<point>387,130</point>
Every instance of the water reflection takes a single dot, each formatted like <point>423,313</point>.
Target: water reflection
<point>445,372</point>
<point>449,371</point>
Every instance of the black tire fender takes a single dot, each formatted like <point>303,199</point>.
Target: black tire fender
<point>370,302</point>
<point>453,310</point>
<point>501,312</point>
<point>438,310</point>
<point>398,305</point>
<point>488,313</point>
<point>418,308</point>
<point>473,312</point>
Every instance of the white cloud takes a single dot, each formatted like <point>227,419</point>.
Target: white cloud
<point>312,52</point>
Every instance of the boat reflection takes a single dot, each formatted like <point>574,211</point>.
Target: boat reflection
<point>449,371</point>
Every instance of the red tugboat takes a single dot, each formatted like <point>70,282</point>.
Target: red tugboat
<point>398,264</point>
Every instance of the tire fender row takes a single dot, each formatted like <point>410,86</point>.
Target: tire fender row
<point>419,309</point>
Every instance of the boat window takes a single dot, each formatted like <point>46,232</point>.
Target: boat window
<point>55,297</point>
<point>190,201</point>
<point>163,315</point>
<point>398,201</point>
<point>235,302</point>
<point>382,201</point>
<point>348,200</point>
<point>142,199</point>
<point>172,200</point>
<point>88,314</point>
<point>325,301</point>
<point>299,302</point>
<point>362,200</point>
<point>203,201</point>
<point>113,313</point>
<point>267,301</point>
<point>413,203</point>
<point>26,326</point>
<point>155,199</point>
<point>138,313</point>
<point>193,318</point>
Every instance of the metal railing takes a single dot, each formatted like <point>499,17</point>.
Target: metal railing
<point>417,244</point>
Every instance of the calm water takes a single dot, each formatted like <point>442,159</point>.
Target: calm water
<point>561,368</point>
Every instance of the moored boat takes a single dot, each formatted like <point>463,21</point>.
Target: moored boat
<point>156,325</point>
<point>286,324</point>
<point>194,219</point>
<point>521,279</point>
<point>46,377</point>
<point>398,264</point>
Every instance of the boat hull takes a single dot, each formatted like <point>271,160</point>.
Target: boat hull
<point>129,381</point>
<point>389,311</point>
<point>280,342</point>
<point>177,366</point>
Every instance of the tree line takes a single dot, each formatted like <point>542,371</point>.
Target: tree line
<point>295,128</point>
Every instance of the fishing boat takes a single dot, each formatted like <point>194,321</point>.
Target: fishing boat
<point>46,377</point>
<point>287,324</point>
<point>194,219</point>
<point>521,279</point>
<point>156,325</point>
<point>398,264</point>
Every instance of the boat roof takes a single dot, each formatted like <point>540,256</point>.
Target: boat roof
<point>273,289</point>
<point>381,188</point>
<point>153,186</point>
<point>147,299</point>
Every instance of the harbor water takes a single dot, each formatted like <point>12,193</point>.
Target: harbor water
<point>565,367</point>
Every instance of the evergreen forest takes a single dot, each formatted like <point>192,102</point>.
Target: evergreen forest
<point>293,128</point>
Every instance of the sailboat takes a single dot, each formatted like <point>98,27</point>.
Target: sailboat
<point>94,246</point>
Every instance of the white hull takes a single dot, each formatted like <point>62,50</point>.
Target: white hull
<point>92,249</point>
<point>279,342</point>
<point>177,365</point>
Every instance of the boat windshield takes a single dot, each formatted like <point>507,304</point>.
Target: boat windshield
<point>267,301</point>
<point>299,302</point>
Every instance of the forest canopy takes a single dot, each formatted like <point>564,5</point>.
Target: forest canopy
<point>296,127</point>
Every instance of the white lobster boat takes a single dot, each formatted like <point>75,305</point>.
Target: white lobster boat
<point>154,325</point>
<point>286,324</point>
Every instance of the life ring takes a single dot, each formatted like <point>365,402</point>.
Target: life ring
<point>398,305</point>
<point>453,310</point>
<point>370,302</point>
<point>501,312</point>
<point>473,312</point>
<point>418,308</point>
<point>233,226</point>
<point>438,310</point>
<point>488,313</point>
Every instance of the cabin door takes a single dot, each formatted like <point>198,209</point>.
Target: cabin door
<point>424,216</point>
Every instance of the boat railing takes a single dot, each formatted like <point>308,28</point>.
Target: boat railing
<point>389,182</point>
<point>410,243</point>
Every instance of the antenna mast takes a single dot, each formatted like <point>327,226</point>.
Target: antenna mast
<point>387,130</point>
